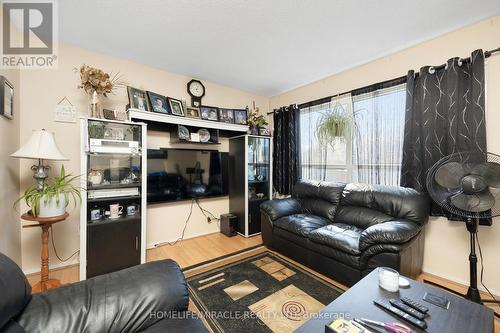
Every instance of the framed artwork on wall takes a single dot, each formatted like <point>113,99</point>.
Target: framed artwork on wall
<point>6,98</point>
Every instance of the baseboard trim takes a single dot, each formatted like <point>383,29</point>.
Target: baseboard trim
<point>463,283</point>
<point>164,242</point>
<point>61,267</point>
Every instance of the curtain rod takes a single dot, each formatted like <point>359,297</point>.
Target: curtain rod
<point>487,54</point>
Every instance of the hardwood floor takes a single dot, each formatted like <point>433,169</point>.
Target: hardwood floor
<point>187,252</point>
<point>199,249</point>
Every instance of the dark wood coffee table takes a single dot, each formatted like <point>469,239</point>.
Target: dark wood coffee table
<point>357,302</point>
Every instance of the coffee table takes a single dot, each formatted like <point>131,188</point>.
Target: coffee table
<point>357,302</point>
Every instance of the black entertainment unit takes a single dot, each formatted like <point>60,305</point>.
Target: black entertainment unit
<point>183,174</point>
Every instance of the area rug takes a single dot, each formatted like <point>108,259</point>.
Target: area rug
<point>259,293</point>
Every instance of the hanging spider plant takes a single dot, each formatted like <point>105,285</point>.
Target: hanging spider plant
<point>334,126</point>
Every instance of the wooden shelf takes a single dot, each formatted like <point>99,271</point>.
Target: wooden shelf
<point>177,120</point>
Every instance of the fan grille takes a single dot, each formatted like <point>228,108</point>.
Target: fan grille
<point>442,195</point>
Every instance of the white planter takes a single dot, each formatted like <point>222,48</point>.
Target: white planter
<point>52,208</point>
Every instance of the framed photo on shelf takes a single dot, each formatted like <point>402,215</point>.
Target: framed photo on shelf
<point>176,107</point>
<point>226,116</point>
<point>158,103</point>
<point>240,117</point>
<point>6,98</point>
<point>209,113</point>
<point>192,112</point>
<point>264,131</point>
<point>137,99</point>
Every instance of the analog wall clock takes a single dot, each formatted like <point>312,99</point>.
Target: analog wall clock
<point>197,90</point>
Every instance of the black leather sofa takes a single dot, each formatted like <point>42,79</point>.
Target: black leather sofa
<point>152,297</point>
<point>346,230</point>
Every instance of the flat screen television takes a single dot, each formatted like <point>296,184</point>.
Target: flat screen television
<point>184,174</point>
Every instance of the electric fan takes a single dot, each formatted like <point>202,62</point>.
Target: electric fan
<point>467,184</point>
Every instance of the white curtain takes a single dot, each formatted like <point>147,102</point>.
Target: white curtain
<point>379,118</point>
<point>320,161</point>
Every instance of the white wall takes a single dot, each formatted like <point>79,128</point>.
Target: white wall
<point>43,89</point>
<point>446,243</point>
<point>10,235</point>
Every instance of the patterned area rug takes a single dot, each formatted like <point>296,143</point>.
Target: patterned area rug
<point>260,293</point>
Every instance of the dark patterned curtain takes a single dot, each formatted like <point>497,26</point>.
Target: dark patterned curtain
<point>286,153</point>
<point>444,115</point>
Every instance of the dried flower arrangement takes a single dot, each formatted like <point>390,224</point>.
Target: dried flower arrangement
<point>94,79</point>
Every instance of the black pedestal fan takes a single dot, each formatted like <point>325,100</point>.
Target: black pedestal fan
<point>467,185</point>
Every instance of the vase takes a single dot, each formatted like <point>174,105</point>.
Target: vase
<point>254,130</point>
<point>95,105</point>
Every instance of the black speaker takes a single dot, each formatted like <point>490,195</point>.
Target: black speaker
<point>228,224</point>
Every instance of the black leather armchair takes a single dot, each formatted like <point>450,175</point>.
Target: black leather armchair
<point>346,230</point>
<point>152,297</point>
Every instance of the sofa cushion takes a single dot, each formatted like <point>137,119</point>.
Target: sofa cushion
<point>399,202</point>
<point>300,224</point>
<point>339,236</point>
<point>333,253</point>
<point>14,289</point>
<point>319,198</point>
<point>360,217</point>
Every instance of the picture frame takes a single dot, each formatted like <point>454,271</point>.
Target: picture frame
<point>158,103</point>
<point>176,107</point>
<point>137,99</point>
<point>240,116</point>
<point>6,98</point>
<point>226,116</point>
<point>192,112</point>
<point>209,113</point>
<point>264,131</point>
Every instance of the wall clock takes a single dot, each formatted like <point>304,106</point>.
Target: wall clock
<point>197,90</point>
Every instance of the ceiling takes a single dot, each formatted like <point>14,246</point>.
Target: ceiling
<point>262,46</point>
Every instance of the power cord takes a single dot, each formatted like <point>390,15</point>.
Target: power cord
<point>208,214</point>
<point>55,250</point>
<point>493,300</point>
<point>183,229</point>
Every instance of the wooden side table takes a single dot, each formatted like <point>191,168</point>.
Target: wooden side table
<point>45,223</point>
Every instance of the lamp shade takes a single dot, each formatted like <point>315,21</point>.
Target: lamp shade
<point>41,145</point>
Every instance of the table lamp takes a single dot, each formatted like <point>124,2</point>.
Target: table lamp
<point>40,146</point>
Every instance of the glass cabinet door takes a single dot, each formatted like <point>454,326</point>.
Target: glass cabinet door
<point>258,168</point>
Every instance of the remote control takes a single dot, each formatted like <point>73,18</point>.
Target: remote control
<point>412,320</point>
<point>417,306</point>
<point>402,306</point>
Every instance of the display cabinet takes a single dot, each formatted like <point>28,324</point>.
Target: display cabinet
<point>250,184</point>
<point>113,210</point>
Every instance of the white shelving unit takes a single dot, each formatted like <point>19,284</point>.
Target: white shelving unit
<point>85,154</point>
<point>136,114</point>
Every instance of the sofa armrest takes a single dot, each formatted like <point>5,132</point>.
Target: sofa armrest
<point>129,300</point>
<point>282,207</point>
<point>392,232</point>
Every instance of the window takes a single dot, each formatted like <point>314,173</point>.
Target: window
<point>323,162</point>
<point>374,151</point>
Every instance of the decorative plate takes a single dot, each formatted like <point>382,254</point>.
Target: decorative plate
<point>183,133</point>
<point>204,135</point>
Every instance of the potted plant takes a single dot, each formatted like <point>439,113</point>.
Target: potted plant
<point>334,126</point>
<point>256,121</point>
<point>53,199</point>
